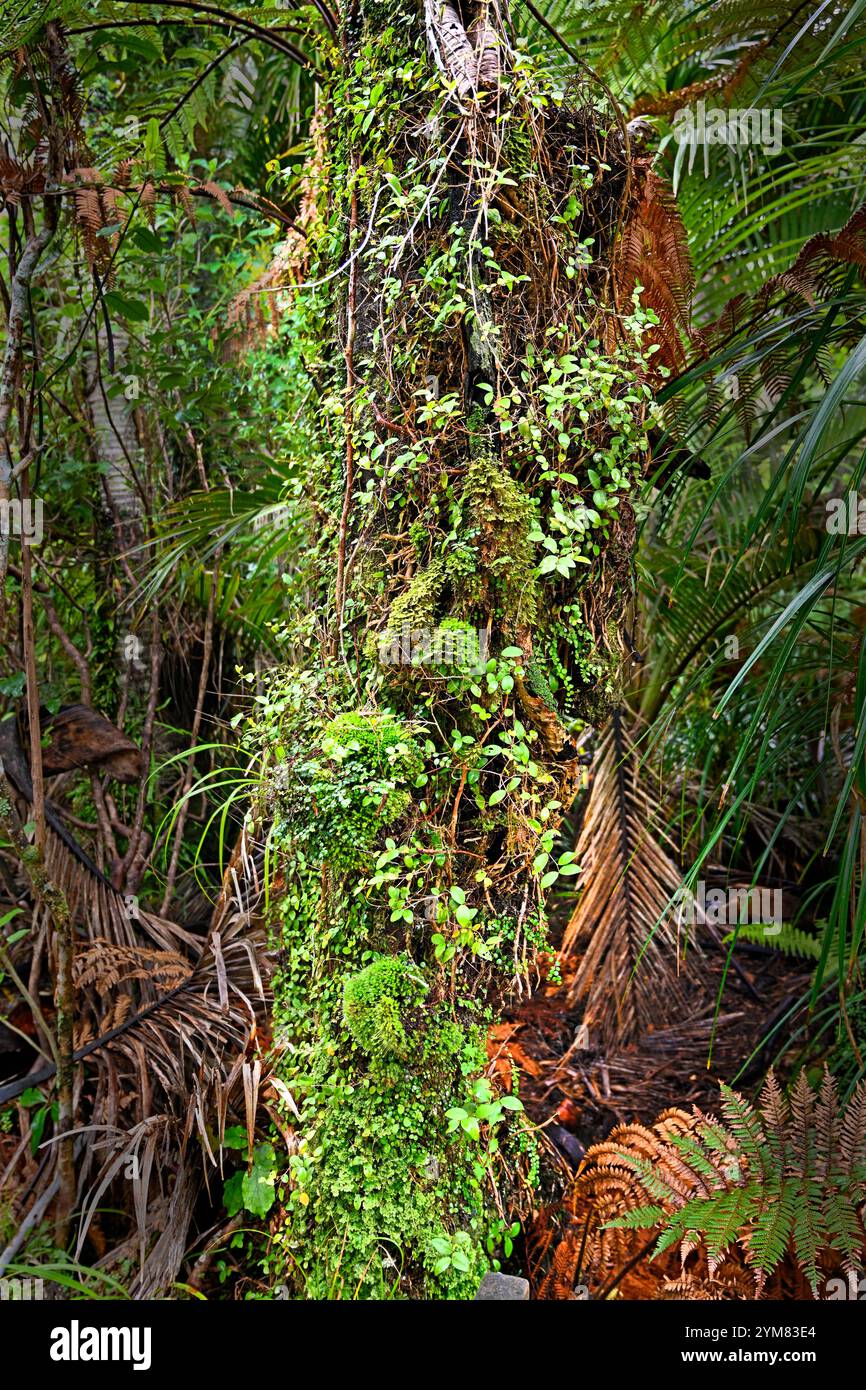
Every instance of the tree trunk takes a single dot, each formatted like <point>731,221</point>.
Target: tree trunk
<point>479,433</point>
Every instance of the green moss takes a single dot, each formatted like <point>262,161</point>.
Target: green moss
<point>336,803</point>
<point>377,744</point>
<point>378,1173</point>
<point>417,606</point>
<point>374,1002</point>
<point>498,515</point>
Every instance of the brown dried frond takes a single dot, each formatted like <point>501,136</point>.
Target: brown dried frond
<point>730,1283</point>
<point>288,264</point>
<point>17,179</point>
<point>724,85</point>
<point>173,1024</point>
<point>185,198</point>
<point>147,201</point>
<point>94,205</point>
<point>630,975</point>
<point>653,253</point>
<point>779,1231</point>
<point>852,1139</point>
<point>122,173</point>
<point>814,276</point>
<point>103,965</point>
<point>774,1107</point>
<point>811,275</point>
<point>218,193</point>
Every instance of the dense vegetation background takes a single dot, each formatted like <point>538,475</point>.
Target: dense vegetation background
<point>433,673</point>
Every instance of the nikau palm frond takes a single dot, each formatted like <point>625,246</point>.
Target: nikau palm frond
<point>166,1028</point>
<point>629,977</point>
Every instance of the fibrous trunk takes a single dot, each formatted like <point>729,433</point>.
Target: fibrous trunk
<point>477,436</point>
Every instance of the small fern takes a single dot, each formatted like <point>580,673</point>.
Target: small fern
<point>787,1176</point>
<point>791,941</point>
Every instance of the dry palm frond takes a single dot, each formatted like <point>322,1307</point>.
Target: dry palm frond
<point>629,976</point>
<point>78,736</point>
<point>168,1027</point>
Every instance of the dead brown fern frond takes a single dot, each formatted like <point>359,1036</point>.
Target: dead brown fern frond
<point>653,253</point>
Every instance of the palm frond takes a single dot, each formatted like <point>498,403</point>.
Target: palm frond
<point>629,977</point>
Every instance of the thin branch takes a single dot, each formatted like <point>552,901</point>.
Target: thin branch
<point>207,649</point>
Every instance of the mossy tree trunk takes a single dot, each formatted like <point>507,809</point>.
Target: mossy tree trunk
<point>478,433</point>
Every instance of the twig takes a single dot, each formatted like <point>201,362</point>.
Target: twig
<point>339,585</point>
<point>207,649</point>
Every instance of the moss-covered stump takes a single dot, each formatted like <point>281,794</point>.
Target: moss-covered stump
<point>479,425</point>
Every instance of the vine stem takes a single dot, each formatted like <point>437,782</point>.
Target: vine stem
<point>340,583</point>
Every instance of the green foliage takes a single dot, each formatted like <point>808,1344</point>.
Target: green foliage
<point>790,940</point>
<point>358,784</point>
<point>252,1189</point>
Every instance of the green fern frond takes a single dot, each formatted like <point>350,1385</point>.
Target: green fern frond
<point>790,940</point>
<point>746,1128</point>
<point>639,1218</point>
<point>772,1226</point>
